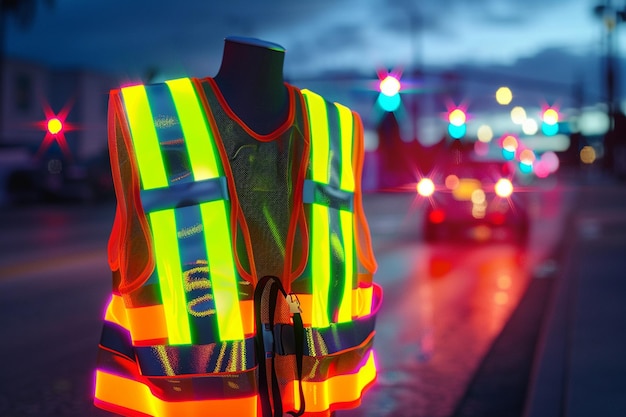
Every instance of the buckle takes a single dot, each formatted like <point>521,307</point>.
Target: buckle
<point>294,303</point>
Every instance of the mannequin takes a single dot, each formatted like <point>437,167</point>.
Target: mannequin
<point>251,80</point>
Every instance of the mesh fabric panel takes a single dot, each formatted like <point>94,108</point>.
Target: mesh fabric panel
<point>263,173</point>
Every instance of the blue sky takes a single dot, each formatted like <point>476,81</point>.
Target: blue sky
<point>186,36</point>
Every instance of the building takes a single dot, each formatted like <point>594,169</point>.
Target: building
<point>31,94</point>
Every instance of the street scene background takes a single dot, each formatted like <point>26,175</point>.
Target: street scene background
<point>475,324</point>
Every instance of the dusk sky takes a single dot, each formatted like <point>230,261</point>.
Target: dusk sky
<point>186,37</point>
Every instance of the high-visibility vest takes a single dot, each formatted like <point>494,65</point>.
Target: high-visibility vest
<point>180,341</point>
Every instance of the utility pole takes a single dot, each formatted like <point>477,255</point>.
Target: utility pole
<point>611,17</point>
<point>416,66</point>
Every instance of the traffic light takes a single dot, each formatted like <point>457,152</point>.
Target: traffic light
<point>510,145</point>
<point>456,123</point>
<point>54,125</point>
<point>389,96</point>
<point>550,121</point>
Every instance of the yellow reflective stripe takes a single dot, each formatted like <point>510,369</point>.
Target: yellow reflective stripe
<point>318,126</point>
<point>345,308</point>
<point>320,235</point>
<point>346,128</point>
<point>197,135</point>
<point>144,136</point>
<point>163,223</point>
<point>222,270</point>
<point>346,217</point>
<point>320,268</point>
<point>204,165</point>
<point>169,270</point>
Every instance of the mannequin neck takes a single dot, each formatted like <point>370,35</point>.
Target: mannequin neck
<point>251,80</point>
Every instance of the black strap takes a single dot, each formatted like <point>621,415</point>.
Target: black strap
<point>298,330</point>
<point>266,407</point>
<point>276,397</point>
<point>262,350</point>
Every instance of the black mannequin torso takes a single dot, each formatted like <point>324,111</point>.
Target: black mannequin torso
<point>251,80</point>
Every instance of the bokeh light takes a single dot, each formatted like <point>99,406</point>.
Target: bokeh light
<point>481,148</point>
<point>451,182</point>
<point>478,196</point>
<point>530,127</point>
<point>518,115</point>
<point>504,187</point>
<point>551,160</point>
<point>504,95</point>
<point>510,143</point>
<point>587,155</point>
<point>527,156</point>
<point>425,187</point>
<point>484,133</point>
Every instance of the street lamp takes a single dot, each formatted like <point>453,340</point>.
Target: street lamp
<point>610,17</point>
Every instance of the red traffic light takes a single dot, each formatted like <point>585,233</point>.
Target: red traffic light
<point>55,127</point>
<point>389,86</point>
<point>550,116</point>
<point>457,117</point>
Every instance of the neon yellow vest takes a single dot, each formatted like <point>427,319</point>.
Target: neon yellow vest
<point>190,347</point>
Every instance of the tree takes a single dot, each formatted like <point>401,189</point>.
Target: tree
<point>24,11</point>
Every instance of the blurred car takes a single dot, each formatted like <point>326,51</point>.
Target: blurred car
<point>474,200</point>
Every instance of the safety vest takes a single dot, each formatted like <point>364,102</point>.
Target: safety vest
<point>199,334</point>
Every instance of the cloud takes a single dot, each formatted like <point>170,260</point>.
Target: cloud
<point>187,36</point>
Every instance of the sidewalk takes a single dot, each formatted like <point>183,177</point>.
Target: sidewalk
<point>580,367</point>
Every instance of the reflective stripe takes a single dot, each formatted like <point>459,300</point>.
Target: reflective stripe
<point>147,323</point>
<point>204,165</point>
<point>327,195</point>
<point>183,194</point>
<point>320,236</point>
<point>164,234</point>
<point>194,360</point>
<point>144,136</point>
<point>116,312</point>
<point>116,393</point>
<point>222,270</point>
<point>198,138</point>
<point>346,218</point>
<point>322,195</point>
<point>345,308</point>
<point>346,122</point>
<point>361,306</point>
<point>347,388</point>
<point>119,394</point>
<point>163,225</point>
<point>154,318</point>
<point>318,125</point>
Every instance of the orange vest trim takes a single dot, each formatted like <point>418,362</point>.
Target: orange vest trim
<point>114,392</point>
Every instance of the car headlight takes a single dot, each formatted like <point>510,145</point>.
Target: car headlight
<point>504,188</point>
<point>425,187</point>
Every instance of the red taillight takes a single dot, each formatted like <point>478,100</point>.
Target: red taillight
<point>436,216</point>
<point>497,218</point>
